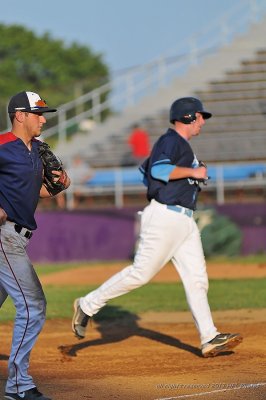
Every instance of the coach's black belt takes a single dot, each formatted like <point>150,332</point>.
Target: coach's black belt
<point>23,231</point>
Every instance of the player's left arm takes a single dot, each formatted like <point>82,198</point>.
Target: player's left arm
<point>62,177</point>
<point>55,178</point>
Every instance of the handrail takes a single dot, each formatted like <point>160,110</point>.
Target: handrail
<point>127,87</point>
<point>121,181</point>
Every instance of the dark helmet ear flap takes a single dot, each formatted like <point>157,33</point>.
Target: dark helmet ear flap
<point>185,109</point>
<point>187,119</point>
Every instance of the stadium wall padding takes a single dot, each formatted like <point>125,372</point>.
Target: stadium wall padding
<point>91,235</point>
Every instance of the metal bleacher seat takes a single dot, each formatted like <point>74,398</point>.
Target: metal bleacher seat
<point>236,133</point>
<point>131,176</point>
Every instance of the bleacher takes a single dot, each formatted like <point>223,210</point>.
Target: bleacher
<point>230,79</point>
<point>237,131</point>
<point>233,142</point>
<point>238,103</point>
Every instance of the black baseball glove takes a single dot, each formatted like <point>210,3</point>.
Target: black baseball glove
<point>52,163</point>
<point>204,181</point>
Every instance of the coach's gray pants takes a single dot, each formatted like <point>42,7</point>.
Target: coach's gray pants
<point>19,280</point>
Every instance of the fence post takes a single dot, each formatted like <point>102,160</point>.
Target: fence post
<point>96,101</point>
<point>220,184</point>
<point>62,126</point>
<point>119,188</point>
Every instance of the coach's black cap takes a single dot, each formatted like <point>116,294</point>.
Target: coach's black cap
<point>28,102</point>
<point>185,108</point>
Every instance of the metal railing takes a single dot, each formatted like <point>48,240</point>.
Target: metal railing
<point>127,88</point>
<point>118,191</point>
<point>124,181</point>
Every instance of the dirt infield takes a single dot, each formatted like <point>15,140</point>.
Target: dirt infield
<point>147,357</point>
<point>97,275</point>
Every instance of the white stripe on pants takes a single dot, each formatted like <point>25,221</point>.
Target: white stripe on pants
<point>164,235</point>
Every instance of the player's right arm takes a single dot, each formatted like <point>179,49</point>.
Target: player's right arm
<point>183,172</point>
<point>168,172</point>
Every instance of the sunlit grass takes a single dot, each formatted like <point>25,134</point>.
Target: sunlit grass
<point>158,297</point>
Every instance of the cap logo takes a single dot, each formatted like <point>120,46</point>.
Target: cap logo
<point>41,103</point>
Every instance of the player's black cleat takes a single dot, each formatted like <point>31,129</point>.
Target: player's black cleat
<point>79,321</point>
<point>31,394</point>
<point>222,342</point>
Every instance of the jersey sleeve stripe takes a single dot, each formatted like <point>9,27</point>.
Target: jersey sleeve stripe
<point>162,171</point>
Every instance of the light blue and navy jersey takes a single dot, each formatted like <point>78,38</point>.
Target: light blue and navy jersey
<point>169,151</point>
<point>20,179</point>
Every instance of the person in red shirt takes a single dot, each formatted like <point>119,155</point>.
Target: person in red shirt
<point>139,142</point>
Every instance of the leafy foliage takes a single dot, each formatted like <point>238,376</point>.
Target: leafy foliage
<point>45,65</point>
<point>221,236</point>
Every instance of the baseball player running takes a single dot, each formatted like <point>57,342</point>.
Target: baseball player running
<point>168,231</point>
<point>23,180</point>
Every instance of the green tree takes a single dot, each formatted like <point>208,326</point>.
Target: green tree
<point>220,235</point>
<point>45,65</point>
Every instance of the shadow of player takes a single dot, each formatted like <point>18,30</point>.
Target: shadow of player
<point>116,325</point>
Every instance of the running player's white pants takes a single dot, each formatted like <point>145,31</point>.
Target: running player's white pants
<point>164,235</point>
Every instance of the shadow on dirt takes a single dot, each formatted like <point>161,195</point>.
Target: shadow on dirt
<point>116,324</point>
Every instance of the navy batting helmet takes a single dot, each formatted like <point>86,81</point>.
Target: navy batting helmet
<point>185,109</point>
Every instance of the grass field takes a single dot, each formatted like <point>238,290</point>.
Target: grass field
<point>55,267</point>
<point>223,294</point>
<point>142,343</point>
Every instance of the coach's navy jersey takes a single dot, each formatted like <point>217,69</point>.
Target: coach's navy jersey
<point>169,151</point>
<point>20,179</point>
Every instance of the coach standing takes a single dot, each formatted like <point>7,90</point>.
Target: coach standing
<point>168,230</point>
<point>21,185</point>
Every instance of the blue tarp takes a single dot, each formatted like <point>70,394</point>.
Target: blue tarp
<point>131,176</point>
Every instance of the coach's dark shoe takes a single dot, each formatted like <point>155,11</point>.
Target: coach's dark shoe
<point>31,394</point>
<point>79,321</point>
<point>222,342</point>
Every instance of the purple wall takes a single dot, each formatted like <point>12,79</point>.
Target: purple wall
<point>67,236</point>
<point>109,234</point>
<point>251,219</point>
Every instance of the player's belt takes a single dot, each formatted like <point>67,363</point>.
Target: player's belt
<point>181,210</point>
<point>23,231</point>
<point>20,229</point>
